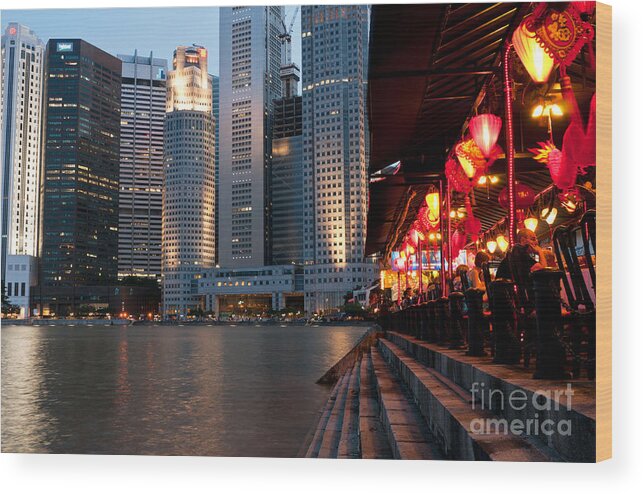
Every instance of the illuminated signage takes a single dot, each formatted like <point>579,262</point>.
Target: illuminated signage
<point>64,46</point>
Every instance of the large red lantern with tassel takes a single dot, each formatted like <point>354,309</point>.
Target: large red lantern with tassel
<point>485,130</point>
<point>525,196</point>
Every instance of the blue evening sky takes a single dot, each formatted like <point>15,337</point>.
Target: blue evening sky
<point>120,30</point>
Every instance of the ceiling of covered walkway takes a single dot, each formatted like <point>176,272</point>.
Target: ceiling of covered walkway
<point>430,67</point>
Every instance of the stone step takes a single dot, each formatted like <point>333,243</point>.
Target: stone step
<point>315,443</point>
<point>574,417</point>
<point>333,429</point>
<point>451,417</point>
<point>348,446</point>
<point>373,441</point>
<point>407,432</point>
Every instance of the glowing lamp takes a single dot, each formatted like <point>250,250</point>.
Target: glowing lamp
<point>491,246</point>
<point>555,110</point>
<point>452,214</point>
<point>536,60</point>
<point>432,200</point>
<point>493,179</point>
<point>482,180</point>
<point>551,217</point>
<point>485,130</point>
<point>502,242</point>
<point>531,223</point>
<point>538,111</point>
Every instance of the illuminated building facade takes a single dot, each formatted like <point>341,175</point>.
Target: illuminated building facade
<point>286,181</point>
<point>250,59</point>
<point>215,112</point>
<point>189,241</point>
<point>335,150</point>
<point>22,86</point>
<point>143,100</point>
<point>81,168</point>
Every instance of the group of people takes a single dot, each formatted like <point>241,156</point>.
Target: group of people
<point>522,259</point>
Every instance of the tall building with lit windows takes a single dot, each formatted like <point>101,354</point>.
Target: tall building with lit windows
<point>22,87</point>
<point>81,169</point>
<point>250,60</point>
<point>143,100</point>
<point>334,70</point>
<point>189,241</point>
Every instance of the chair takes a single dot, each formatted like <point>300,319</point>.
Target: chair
<point>582,312</point>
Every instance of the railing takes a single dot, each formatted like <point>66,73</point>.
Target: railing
<point>526,318</point>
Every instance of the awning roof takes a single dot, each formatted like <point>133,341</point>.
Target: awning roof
<point>429,66</point>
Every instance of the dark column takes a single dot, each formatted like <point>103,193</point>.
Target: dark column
<point>476,322</point>
<point>431,326</point>
<point>550,353</point>
<point>442,319</point>
<point>506,343</point>
<point>456,320</point>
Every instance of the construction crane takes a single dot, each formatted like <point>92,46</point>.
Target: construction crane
<point>288,72</point>
<point>286,38</point>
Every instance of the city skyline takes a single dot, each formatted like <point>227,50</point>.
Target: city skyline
<point>156,29</point>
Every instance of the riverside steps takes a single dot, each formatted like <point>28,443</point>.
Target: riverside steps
<point>405,398</point>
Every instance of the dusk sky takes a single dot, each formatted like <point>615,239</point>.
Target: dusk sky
<point>120,31</point>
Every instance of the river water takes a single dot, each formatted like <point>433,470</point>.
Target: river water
<point>165,390</point>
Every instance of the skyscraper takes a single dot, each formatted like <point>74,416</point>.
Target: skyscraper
<point>286,174</point>
<point>22,87</point>
<point>81,164</point>
<point>143,100</point>
<point>189,243</point>
<point>250,59</point>
<point>215,113</point>
<point>334,68</point>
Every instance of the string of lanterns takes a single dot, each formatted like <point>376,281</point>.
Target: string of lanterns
<point>541,47</point>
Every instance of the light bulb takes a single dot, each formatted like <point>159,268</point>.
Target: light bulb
<point>531,223</point>
<point>551,217</point>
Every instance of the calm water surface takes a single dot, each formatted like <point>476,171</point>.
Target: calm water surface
<point>165,390</point>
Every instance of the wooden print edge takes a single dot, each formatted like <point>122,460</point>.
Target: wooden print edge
<point>604,231</point>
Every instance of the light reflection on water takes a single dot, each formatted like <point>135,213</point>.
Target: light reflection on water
<point>191,390</point>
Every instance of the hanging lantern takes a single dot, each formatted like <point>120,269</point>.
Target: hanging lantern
<point>485,129</point>
<point>458,241</point>
<point>536,60</point>
<point>531,223</point>
<point>458,179</point>
<point>503,243</point>
<point>432,200</point>
<point>491,246</point>
<point>525,196</point>
<point>471,159</point>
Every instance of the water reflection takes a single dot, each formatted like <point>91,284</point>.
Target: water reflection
<point>225,391</point>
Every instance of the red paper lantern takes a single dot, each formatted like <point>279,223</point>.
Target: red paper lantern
<point>485,130</point>
<point>533,56</point>
<point>458,241</point>
<point>471,159</point>
<point>456,176</point>
<point>525,196</point>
